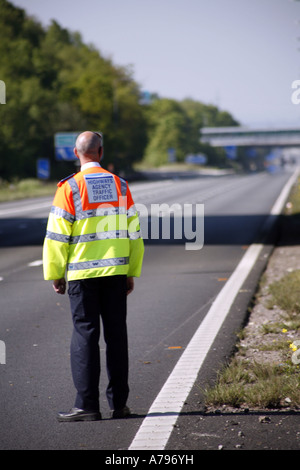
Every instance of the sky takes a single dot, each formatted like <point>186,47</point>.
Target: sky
<point>240,55</point>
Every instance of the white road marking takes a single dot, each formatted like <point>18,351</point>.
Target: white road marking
<point>38,262</point>
<point>156,428</point>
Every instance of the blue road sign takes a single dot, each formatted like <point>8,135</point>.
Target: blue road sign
<point>171,155</point>
<point>251,152</point>
<point>64,145</point>
<point>43,168</point>
<point>231,152</point>
<point>198,159</point>
<point>145,97</point>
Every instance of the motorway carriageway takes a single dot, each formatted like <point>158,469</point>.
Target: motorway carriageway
<point>177,314</point>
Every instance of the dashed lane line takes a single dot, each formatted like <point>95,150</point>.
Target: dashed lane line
<point>38,262</point>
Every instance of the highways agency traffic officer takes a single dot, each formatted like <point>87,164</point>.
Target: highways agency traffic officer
<point>93,234</point>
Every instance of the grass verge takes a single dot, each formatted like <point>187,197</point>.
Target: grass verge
<point>21,189</point>
<point>264,373</point>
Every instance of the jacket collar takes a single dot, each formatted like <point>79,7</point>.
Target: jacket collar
<point>90,165</point>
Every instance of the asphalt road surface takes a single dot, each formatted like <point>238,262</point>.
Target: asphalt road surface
<point>178,285</point>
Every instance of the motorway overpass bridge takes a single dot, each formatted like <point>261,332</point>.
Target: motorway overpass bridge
<point>247,137</point>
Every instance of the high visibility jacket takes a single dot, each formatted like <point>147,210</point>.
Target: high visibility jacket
<point>93,228</point>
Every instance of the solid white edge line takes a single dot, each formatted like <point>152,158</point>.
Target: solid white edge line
<point>157,426</point>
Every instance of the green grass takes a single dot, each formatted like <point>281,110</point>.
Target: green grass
<point>286,294</point>
<point>255,385</point>
<point>245,382</point>
<point>21,189</point>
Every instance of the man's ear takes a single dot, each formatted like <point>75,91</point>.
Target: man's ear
<point>75,152</point>
<point>101,153</point>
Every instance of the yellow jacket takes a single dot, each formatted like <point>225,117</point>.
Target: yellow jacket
<point>93,228</point>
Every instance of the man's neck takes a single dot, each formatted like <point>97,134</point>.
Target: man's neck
<point>87,165</point>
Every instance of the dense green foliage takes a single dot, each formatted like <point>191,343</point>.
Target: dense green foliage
<point>56,83</point>
<point>173,124</point>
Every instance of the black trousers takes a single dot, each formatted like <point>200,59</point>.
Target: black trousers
<point>91,299</point>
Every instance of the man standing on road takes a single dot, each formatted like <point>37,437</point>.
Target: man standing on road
<point>93,234</point>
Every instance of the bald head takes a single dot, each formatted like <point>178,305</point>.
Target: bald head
<point>87,147</point>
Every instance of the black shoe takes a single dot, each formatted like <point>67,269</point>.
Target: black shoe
<point>122,413</point>
<point>76,414</point>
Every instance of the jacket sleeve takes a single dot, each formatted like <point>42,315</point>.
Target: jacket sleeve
<point>135,238</point>
<point>59,229</point>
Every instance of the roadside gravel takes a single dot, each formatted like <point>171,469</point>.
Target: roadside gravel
<point>228,428</point>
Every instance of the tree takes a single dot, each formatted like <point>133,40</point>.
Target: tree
<point>56,83</point>
<point>173,124</point>
<point>167,128</point>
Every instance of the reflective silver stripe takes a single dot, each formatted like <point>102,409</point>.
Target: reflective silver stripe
<point>109,211</point>
<point>100,212</point>
<point>98,263</point>
<point>123,187</point>
<point>58,212</point>
<point>76,199</point>
<point>90,237</point>
<point>135,235</point>
<point>59,237</point>
<point>131,211</point>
